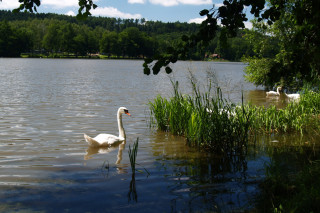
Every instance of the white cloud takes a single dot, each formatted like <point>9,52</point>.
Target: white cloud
<point>60,3</point>
<point>9,4</point>
<point>248,25</point>
<point>113,12</point>
<point>70,13</point>
<point>195,2</point>
<point>169,3</point>
<point>136,1</point>
<point>166,3</point>
<point>218,5</point>
<point>197,20</point>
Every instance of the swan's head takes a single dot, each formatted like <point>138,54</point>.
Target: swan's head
<point>123,110</point>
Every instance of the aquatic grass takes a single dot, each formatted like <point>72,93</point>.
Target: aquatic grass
<point>205,119</point>
<point>295,117</point>
<point>209,121</point>
<point>133,155</point>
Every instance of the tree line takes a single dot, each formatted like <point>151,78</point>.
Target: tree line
<point>53,34</point>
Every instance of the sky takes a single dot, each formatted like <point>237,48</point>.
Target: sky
<point>151,10</point>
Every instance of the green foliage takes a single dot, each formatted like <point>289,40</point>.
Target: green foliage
<point>13,41</point>
<point>207,121</point>
<point>257,71</point>
<point>296,31</point>
<point>64,35</point>
<point>232,17</point>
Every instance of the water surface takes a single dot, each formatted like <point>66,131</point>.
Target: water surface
<point>46,106</point>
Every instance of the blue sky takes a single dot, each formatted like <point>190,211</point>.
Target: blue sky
<point>155,10</point>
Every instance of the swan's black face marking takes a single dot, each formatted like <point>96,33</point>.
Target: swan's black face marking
<point>127,112</point>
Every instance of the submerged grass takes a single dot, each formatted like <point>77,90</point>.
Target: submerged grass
<point>210,122</point>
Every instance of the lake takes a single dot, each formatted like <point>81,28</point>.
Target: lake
<point>46,165</point>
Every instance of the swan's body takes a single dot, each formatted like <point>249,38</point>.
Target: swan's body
<point>292,96</point>
<point>108,139</point>
<point>273,93</point>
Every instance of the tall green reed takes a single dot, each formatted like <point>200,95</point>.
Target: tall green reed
<point>133,155</point>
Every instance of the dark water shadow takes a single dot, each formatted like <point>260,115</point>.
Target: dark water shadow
<point>132,194</point>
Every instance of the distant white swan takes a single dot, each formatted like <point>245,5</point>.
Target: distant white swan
<point>292,96</point>
<point>108,139</point>
<point>273,93</point>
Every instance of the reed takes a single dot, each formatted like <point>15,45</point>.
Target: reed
<point>133,155</point>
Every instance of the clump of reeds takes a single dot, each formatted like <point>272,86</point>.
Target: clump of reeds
<point>205,119</point>
<point>295,117</point>
<point>211,122</point>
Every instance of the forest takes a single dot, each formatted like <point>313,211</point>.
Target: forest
<point>53,35</point>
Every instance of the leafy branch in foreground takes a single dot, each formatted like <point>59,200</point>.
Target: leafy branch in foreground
<point>31,6</point>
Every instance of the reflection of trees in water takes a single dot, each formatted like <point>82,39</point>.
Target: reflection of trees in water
<point>210,183</point>
<point>199,180</point>
<point>289,172</point>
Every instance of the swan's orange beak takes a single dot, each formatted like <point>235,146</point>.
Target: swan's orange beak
<point>127,113</point>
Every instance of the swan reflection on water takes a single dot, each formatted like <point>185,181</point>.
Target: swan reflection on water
<point>105,150</point>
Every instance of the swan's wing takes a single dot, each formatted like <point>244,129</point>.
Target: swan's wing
<point>92,142</point>
<point>107,139</point>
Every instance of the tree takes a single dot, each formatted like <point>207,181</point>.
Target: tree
<point>83,12</point>
<point>297,60</point>
<point>67,38</point>
<point>12,41</point>
<point>51,39</point>
<point>109,43</point>
<point>296,25</point>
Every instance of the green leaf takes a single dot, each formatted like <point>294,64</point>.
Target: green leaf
<point>168,70</point>
<point>146,71</point>
<point>204,12</point>
<point>148,60</point>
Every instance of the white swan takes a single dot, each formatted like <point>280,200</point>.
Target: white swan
<point>272,93</point>
<point>292,96</point>
<point>108,139</point>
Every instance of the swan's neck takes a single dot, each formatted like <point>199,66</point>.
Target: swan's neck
<point>122,134</point>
